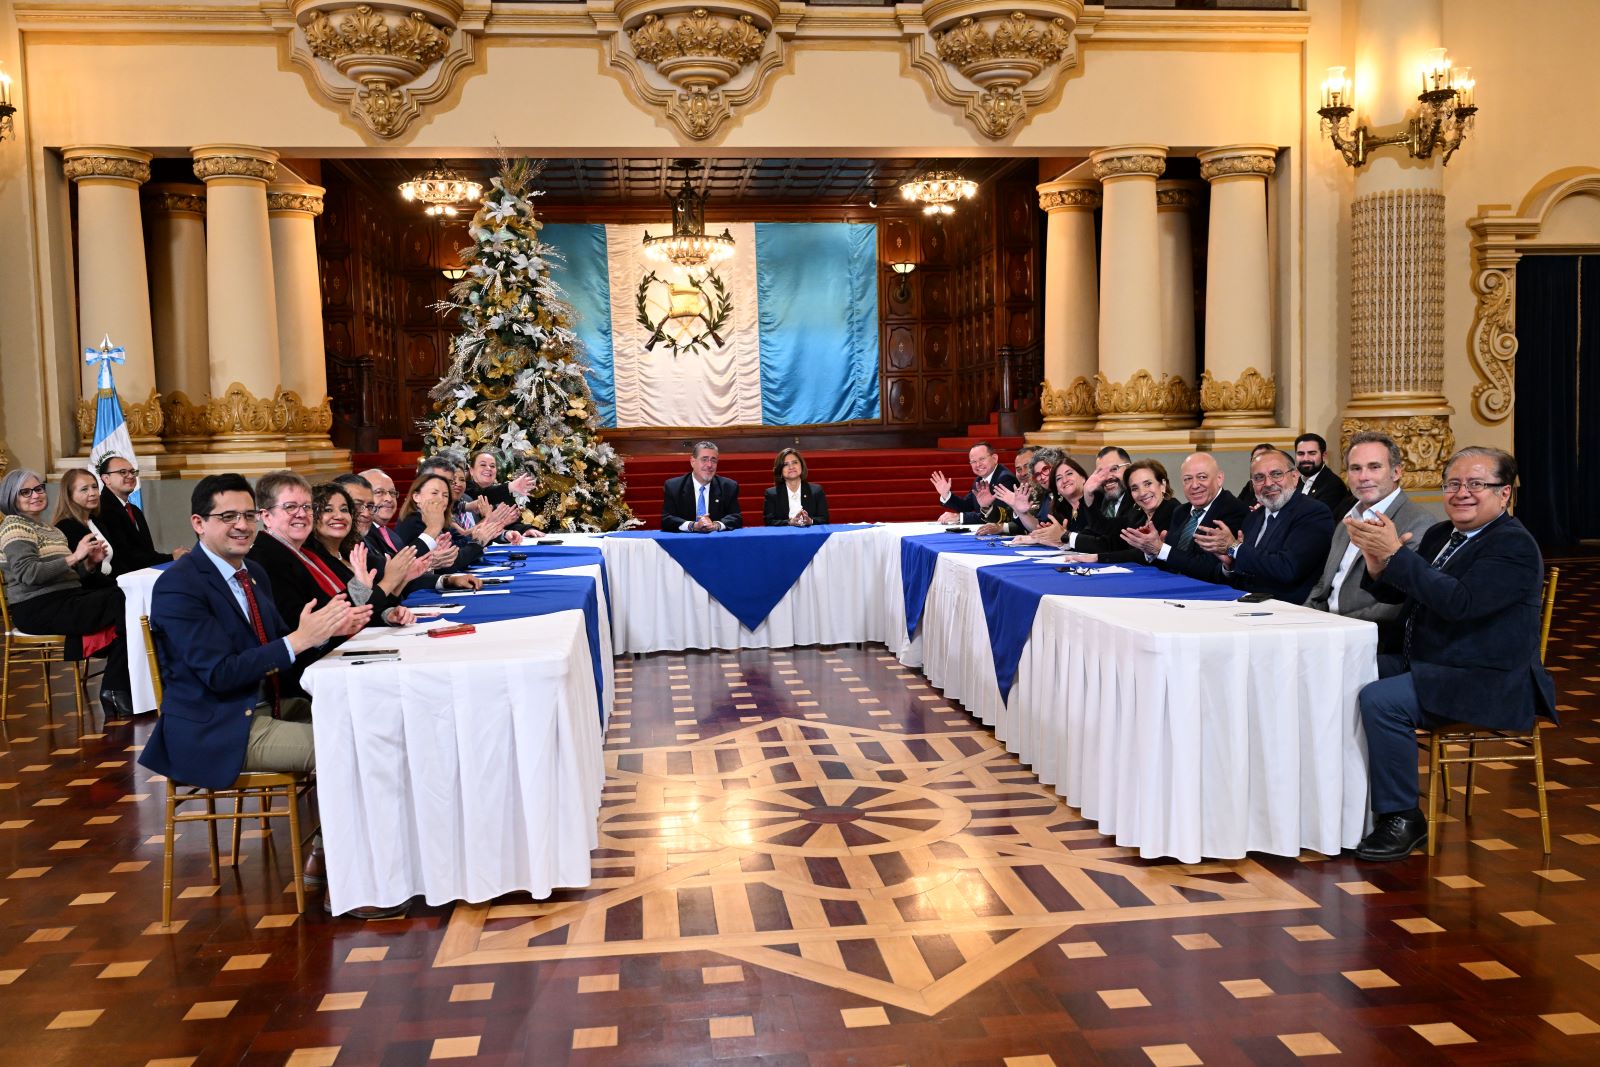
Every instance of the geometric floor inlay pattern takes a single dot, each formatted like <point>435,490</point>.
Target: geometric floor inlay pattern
<point>910,869</point>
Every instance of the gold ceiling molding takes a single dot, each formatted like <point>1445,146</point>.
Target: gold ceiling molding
<point>1132,165</point>
<point>1500,238</point>
<point>697,63</point>
<point>994,59</point>
<point>1081,197</point>
<point>106,162</point>
<point>382,61</point>
<point>288,201</point>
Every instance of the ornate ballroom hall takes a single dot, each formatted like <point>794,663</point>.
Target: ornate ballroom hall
<point>1166,226</point>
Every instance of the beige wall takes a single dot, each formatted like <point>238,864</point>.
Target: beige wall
<point>1535,95</point>
<point>831,98</point>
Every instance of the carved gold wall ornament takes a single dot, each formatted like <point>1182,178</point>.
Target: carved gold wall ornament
<point>184,421</point>
<point>1088,199</point>
<point>1426,441</point>
<point>1500,238</point>
<point>308,420</point>
<point>697,62</point>
<point>308,203</point>
<point>994,59</point>
<point>240,419</point>
<point>78,167</point>
<point>1252,393</point>
<point>226,166</point>
<point>1177,197</point>
<point>1245,164</point>
<point>1075,401</point>
<point>166,202</point>
<point>1131,166</point>
<point>5,457</point>
<point>1143,394</point>
<point>383,61</point>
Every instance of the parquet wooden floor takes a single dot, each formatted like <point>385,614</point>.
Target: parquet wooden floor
<point>809,857</point>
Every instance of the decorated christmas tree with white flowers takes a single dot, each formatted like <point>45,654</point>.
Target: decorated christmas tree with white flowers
<point>515,386</point>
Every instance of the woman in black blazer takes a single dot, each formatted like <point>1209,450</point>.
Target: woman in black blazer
<point>1152,496</point>
<point>76,505</point>
<point>793,501</point>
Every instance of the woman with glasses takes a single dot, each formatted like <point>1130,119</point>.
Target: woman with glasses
<point>122,521</point>
<point>76,504</point>
<point>45,589</point>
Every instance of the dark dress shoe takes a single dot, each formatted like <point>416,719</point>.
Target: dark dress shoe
<point>116,702</point>
<point>315,876</point>
<point>393,911</point>
<point>1395,837</point>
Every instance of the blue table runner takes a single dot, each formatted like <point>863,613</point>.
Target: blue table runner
<point>919,555</point>
<point>1011,594</point>
<point>748,570</point>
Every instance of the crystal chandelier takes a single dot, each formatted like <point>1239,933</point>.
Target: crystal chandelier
<point>938,191</point>
<point>441,189</point>
<point>689,245</point>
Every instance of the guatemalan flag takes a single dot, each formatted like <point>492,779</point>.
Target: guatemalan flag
<point>110,431</point>
<point>800,345</point>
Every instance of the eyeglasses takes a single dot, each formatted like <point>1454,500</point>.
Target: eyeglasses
<point>365,508</point>
<point>34,490</point>
<point>1471,485</point>
<point>1263,477</point>
<point>385,494</point>
<point>126,472</point>
<point>230,518</point>
<point>291,509</point>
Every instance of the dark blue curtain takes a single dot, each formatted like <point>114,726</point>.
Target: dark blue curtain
<point>1557,435</point>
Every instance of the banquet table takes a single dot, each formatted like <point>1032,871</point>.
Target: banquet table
<point>136,589</point>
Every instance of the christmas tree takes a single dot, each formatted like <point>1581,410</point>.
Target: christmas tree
<point>515,386</point>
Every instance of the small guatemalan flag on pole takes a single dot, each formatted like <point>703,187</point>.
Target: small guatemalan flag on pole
<point>110,431</point>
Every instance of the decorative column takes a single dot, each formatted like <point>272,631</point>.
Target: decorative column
<point>113,294</point>
<point>1071,309</point>
<point>245,412</point>
<point>292,209</point>
<point>1175,203</point>
<point>175,219</point>
<point>1238,387</point>
<point>1397,253</point>
<point>1127,393</point>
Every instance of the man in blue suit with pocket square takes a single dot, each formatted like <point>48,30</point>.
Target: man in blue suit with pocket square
<point>1473,596</point>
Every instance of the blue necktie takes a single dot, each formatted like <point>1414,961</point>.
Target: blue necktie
<point>1457,539</point>
<point>702,505</point>
<point>1186,535</point>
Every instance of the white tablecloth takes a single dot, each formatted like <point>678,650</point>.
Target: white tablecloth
<point>837,600</point>
<point>469,769</point>
<point>136,589</point>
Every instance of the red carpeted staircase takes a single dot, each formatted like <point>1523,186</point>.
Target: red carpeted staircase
<point>877,484</point>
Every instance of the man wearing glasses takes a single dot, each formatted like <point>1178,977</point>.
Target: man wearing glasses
<point>1280,548</point>
<point>1473,592</point>
<point>122,521</point>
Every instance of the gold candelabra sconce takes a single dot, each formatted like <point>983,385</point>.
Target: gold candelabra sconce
<point>1447,105</point>
<point>7,109</point>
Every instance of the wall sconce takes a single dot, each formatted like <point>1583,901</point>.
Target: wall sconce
<point>6,108</point>
<point>902,292</point>
<point>455,274</point>
<point>1443,120</point>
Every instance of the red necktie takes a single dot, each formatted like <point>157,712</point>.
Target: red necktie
<point>257,624</point>
<point>383,531</point>
<point>133,516</point>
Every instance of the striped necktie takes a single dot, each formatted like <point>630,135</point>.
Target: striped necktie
<point>1457,539</point>
<point>1186,535</point>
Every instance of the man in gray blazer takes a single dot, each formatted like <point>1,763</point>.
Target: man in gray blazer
<point>1374,464</point>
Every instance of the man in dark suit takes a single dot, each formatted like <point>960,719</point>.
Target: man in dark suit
<point>1316,480</point>
<point>978,505</point>
<point>701,501</point>
<point>123,522</point>
<point>1206,502</point>
<point>1473,594</point>
<point>222,644</point>
<point>1279,550</point>
<point>1376,466</point>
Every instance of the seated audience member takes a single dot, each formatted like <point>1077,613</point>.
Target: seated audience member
<point>1279,550</point>
<point>121,520</point>
<point>1151,494</point>
<point>793,501</point>
<point>45,587</point>
<point>469,530</point>
<point>485,492</point>
<point>1376,465</point>
<point>1068,517</point>
<point>223,649</point>
<point>1110,509</point>
<point>425,568</point>
<point>1471,593</point>
<point>1022,464</point>
<point>978,505</point>
<point>1030,501</point>
<point>298,578</point>
<point>1316,480</point>
<point>76,504</point>
<point>701,501</point>
<point>1206,503</point>
<point>335,542</point>
<point>1247,495</point>
<point>385,503</point>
